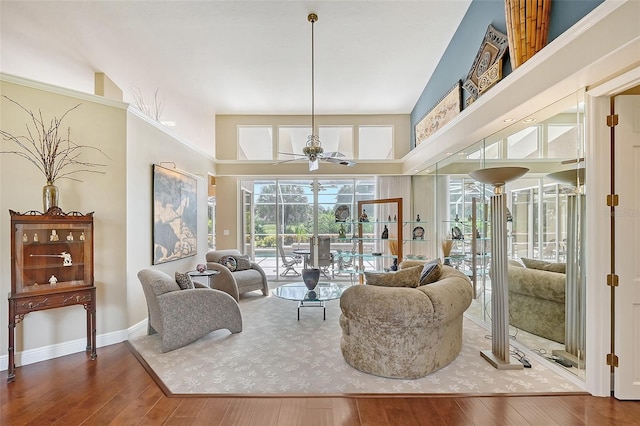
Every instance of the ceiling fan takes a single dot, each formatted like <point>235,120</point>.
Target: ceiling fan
<point>313,149</point>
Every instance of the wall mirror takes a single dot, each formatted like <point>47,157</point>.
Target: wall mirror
<point>545,227</point>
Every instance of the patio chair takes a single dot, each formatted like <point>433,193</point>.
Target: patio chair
<point>325,258</point>
<point>289,262</point>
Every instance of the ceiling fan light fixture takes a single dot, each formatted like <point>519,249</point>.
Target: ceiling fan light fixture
<point>314,146</point>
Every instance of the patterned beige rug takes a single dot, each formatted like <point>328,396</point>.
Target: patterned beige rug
<point>276,354</point>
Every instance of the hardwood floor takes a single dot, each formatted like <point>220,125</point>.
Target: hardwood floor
<point>115,389</point>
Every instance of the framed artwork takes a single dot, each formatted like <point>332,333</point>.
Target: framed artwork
<point>491,50</point>
<point>175,211</point>
<point>448,107</point>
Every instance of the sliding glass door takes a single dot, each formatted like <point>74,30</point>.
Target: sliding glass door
<point>284,214</point>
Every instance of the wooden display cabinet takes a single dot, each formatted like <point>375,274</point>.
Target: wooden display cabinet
<point>51,267</point>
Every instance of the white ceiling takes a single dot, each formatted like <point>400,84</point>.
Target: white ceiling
<point>235,57</point>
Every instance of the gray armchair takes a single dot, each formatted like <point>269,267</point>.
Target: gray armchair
<point>184,316</point>
<point>239,281</point>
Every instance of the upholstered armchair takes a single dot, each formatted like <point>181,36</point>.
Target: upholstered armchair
<point>237,273</point>
<point>184,316</point>
<point>394,328</point>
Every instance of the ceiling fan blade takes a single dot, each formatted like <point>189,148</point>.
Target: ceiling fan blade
<point>292,154</point>
<point>332,154</point>
<point>342,162</point>
<point>285,161</point>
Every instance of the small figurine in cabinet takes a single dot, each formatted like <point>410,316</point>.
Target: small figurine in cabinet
<point>54,235</point>
<point>70,237</point>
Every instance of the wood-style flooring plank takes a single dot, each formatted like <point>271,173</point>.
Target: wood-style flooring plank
<point>266,412</point>
<point>345,412</point>
<point>371,412</point>
<point>161,411</point>
<point>425,411</point>
<point>552,414</point>
<point>449,410</point>
<point>302,411</point>
<point>116,389</point>
<point>399,412</point>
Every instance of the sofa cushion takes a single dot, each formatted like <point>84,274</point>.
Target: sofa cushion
<point>230,262</point>
<point>545,266</point>
<point>409,277</point>
<point>430,272</point>
<point>184,281</point>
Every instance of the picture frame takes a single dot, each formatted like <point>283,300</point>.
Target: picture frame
<point>447,108</point>
<point>492,49</point>
<point>175,215</point>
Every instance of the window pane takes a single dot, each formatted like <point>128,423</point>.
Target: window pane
<point>291,140</point>
<point>524,144</point>
<point>375,142</point>
<point>255,143</point>
<point>563,141</point>
<point>337,138</point>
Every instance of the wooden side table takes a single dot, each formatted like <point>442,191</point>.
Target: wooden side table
<point>209,273</point>
<point>21,305</point>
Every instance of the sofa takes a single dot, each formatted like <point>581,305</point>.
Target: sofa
<point>401,330</point>
<point>537,297</point>
<point>245,276</point>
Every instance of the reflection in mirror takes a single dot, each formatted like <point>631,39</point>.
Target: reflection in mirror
<point>545,227</point>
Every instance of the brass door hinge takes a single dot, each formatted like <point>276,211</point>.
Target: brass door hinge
<point>612,280</point>
<point>612,200</point>
<point>612,120</point>
<point>612,359</point>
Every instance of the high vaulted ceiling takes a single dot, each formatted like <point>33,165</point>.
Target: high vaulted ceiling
<point>235,57</point>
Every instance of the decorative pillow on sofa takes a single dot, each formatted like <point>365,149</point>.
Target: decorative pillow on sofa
<point>184,281</point>
<point>236,263</point>
<point>430,272</point>
<point>409,277</point>
<point>544,266</point>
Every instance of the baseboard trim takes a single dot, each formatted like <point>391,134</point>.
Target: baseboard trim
<point>45,353</point>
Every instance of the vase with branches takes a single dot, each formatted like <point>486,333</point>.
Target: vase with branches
<point>48,146</point>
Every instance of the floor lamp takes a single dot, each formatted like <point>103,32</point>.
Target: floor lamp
<point>575,294</point>
<point>499,356</point>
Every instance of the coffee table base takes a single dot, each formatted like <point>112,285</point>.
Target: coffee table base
<point>313,304</point>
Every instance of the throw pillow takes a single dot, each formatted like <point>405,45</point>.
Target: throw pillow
<point>430,272</point>
<point>544,266</point>
<point>229,261</point>
<point>242,263</point>
<point>184,281</point>
<point>408,277</point>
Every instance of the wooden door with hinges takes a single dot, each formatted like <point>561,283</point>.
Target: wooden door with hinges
<point>627,247</point>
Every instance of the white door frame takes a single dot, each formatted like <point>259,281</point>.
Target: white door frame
<point>598,333</point>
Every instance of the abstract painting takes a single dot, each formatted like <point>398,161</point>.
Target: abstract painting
<point>175,212</point>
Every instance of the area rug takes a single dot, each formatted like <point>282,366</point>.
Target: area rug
<point>277,354</point>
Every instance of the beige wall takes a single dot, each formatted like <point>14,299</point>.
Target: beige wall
<point>101,125</point>
<point>148,143</point>
<point>121,200</point>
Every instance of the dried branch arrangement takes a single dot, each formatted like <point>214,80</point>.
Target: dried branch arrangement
<point>49,147</point>
<point>154,112</point>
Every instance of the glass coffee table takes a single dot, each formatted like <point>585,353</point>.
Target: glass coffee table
<point>310,298</point>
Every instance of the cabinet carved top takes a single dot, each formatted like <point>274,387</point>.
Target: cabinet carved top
<point>53,211</point>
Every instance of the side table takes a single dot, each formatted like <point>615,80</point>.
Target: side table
<point>209,273</point>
